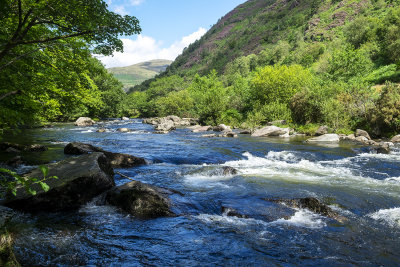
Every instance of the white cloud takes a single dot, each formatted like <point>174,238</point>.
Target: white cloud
<point>146,48</point>
<point>121,6</point>
<point>136,2</point>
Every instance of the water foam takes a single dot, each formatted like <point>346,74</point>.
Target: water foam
<point>388,216</point>
<point>303,218</point>
<point>289,167</point>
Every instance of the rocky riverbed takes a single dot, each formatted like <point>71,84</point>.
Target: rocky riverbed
<point>209,200</point>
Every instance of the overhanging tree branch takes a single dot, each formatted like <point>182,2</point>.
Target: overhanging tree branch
<point>10,94</point>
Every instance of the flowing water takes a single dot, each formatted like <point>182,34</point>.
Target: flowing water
<point>363,187</point>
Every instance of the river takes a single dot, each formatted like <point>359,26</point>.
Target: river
<point>363,187</point>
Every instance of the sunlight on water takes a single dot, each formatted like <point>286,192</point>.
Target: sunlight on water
<point>388,216</point>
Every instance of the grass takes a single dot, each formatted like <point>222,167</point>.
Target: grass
<point>7,257</point>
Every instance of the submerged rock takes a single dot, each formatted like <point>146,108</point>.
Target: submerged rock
<point>230,212</point>
<point>271,131</point>
<point>141,200</point>
<point>84,121</point>
<point>326,138</point>
<point>79,180</point>
<point>311,204</point>
<point>226,170</point>
<point>118,160</point>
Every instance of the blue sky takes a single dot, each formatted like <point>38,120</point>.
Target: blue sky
<point>167,26</point>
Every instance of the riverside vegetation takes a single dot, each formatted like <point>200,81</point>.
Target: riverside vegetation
<point>309,62</point>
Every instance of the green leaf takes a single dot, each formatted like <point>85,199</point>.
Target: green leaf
<point>44,186</point>
<point>31,191</point>
<point>44,170</point>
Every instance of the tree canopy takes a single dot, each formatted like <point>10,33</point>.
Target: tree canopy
<point>47,71</point>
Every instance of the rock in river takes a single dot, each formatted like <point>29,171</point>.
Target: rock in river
<point>326,138</point>
<point>84,121</point>
<point>271,131</point>
<point>117,160</point>
<point>311,204</point>
<point>79,180</point>
<point>141,200</point>
<point>363,133</point>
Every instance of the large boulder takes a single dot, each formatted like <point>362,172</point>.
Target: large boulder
<point>271,131</point>
<point>79,180</point>
<point>117,160</point>
<point>165,126</point>
<point>363,133</point>
<point>326,138</point>
<point>84,121</point>
<point>395,139</point>
<point>141,200</point>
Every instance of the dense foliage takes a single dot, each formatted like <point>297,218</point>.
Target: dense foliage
<point>308,62</point>
<point>47,71</point>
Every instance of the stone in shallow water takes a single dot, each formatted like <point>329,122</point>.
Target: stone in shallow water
<point>79,180</point>
<point>311,204</point>
<point>84,121</point>
<point>271,131</point>
<point>326,138</point>
<point>118,160</point>
<point>141,200</point>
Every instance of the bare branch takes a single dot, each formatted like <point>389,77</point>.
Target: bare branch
<point>17,58</point>
<point>10,94</point>
<point>41,41</point>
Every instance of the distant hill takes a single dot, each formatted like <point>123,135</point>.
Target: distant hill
<point>137,73</point>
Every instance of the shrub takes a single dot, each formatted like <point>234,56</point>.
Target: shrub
<point>269,112</point>
<point>386,116</point>
<point>279,83</point>
<point>175,103</point>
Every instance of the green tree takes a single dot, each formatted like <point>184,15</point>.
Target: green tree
<point>44,49</point>
<point>279,83</point>
<point>209,97</point>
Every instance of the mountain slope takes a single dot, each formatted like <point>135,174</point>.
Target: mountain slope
<point>137,73</point>
<point>309,61</point>
<point>258,25</point>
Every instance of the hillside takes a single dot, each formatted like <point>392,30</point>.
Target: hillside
<point>137,73</point>
<point>308,62</point>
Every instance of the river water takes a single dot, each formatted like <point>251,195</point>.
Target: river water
<point>363,187</point>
